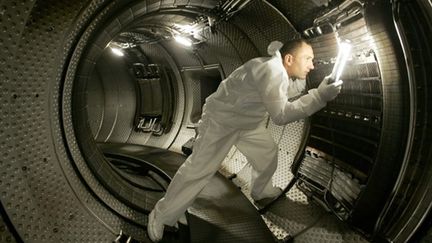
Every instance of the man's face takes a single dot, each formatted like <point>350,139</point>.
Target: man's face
<point>299,63</point>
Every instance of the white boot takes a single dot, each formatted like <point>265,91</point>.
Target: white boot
<point>155,229</point>
<point>183,220</point>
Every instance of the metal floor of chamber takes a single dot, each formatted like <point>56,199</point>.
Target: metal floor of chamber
<point>298,218</point>
<point>221,213</point>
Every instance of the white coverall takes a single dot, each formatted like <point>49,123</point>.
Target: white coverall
<point>234,115</point>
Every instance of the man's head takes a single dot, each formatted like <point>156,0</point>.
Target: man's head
<point>297,57</point>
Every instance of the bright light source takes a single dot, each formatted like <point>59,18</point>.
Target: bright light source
<point>182,40</point>
<point>117,51</point>
<point>185,28</point>
<point>342,58</point>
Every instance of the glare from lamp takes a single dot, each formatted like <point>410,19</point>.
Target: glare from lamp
<point>117,51</point>
<point>341,60</point>
<point>185,28</point>
<point>184,41</point>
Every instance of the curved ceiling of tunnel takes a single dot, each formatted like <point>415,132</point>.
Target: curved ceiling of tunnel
<point>71,205</point>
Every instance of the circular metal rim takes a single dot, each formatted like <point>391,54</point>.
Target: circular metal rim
<point>108,16</point>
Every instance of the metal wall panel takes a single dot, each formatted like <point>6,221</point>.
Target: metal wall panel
<point>35,193</point>
<point>96,104</point>
<point>272,25</point>
<point>118,95</point>
<point>300,12</point>
<point>159,55</point>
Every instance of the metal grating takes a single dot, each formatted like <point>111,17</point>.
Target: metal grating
<point>262,32</point>
<point>193,96</point>
<point>287,137</point>
<point>234,163</point>
<point>307,221</point>
<point>240,44</point>
<point>289,145</point>
<point>220,46</point>
<point>240,220</point>
<point>300,12</point>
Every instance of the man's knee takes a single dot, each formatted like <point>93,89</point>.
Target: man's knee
<point>273,152</point>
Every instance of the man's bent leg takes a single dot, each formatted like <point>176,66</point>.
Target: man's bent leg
<point>212,145</point>
<point>262,153</point>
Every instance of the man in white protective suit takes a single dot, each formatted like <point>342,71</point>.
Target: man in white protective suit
<point>235,115</point>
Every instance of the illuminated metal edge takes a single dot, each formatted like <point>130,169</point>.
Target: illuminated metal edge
<point>400,231</point>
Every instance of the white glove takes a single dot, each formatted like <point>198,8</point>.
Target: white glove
<point>328,91</point>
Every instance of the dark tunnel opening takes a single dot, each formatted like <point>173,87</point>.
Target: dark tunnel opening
<point>90,140</point>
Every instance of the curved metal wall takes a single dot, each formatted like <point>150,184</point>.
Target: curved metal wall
<point>411,202</point>
<point>394,119</point>
<point>40,189</point>
<point>111,100</point>
<point>39,198</point>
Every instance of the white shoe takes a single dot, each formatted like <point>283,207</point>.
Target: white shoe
<point>182,220</point>
<point>273,193</point>
<point>155,229</point>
